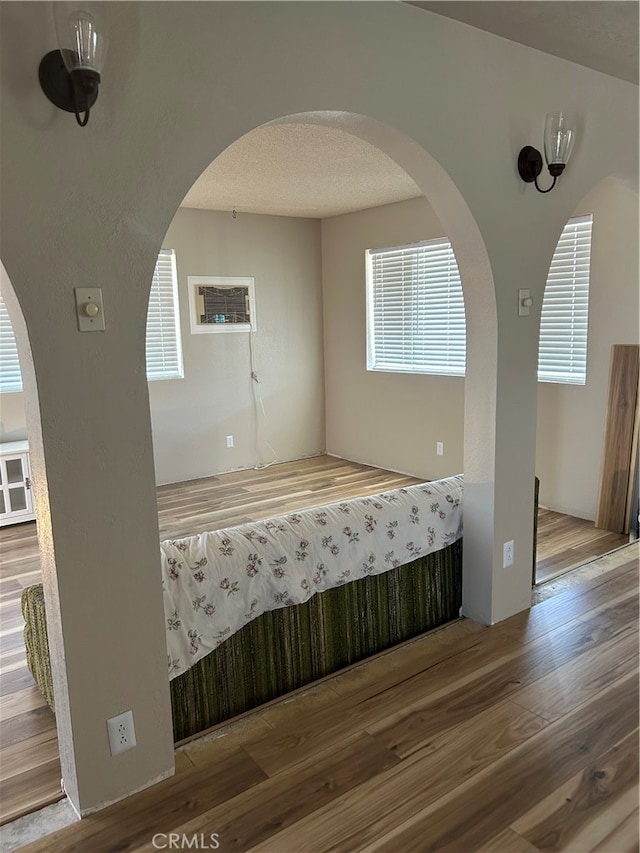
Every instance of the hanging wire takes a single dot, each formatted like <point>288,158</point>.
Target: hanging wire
<point>258,401</point>
<point>234,214</point>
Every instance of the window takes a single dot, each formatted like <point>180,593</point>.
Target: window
<point>415,310</point>
<point>164,349</point>
<point>562,354</point>
<point>10,376</point>
<point>164,345</point>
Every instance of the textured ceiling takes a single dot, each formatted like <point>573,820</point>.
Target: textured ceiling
<point>300,170</point>
<point>311,171</point>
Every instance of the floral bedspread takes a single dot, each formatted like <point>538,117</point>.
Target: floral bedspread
<point>216,582</point>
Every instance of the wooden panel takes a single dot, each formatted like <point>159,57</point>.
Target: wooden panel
<point>183,509</point>
<point>408,714</point>
<point>618,440</point>
<point>631,523</point>
<point>571,604</point>
<point>40,784</point>
<point>413,726</point>
<point>565,542</point>
<point>250,818</point>
<point>579,680</point>
<point>400,792</point>
<point>624,838</point>
<point>462,820</point>
<point>507,841</point>
<point>492,776</point>
<point>600,598</point>
<point>27,725</point>
<point>160,808</point>
<point>589,806</point>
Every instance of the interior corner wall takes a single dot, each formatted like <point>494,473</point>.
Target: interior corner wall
<point>392,420</point>
<point>191,417</point>
<point>571,418</point>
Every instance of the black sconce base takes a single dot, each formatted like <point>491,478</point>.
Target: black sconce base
<point>529,164</point>
<point>58,85</point>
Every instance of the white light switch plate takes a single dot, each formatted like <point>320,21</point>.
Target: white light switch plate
<point>87,300</point>
<point>524,302</point>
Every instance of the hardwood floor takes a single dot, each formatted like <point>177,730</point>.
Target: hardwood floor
<point>517,737</point>
<point>29,767</point>
<point>29,764</point>
<point>228,499</point>
<point>565,542</point>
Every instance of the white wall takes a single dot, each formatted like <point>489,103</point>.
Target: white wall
<point>420,410</point>
<point>191,417</point>
<point>571,418</point>
<point>13,419</point>
<point>388,419</point>
<point>13,423</point>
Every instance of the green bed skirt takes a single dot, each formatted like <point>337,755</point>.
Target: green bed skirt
<point>288,648</point>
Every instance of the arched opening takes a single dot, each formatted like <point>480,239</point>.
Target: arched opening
<point>310,297</point>
<point>570,467</point>
<point>457,223</point>
<point>219,243</point>
<point>25,533</point>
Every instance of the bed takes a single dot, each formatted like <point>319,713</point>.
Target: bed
<point>260,609</point>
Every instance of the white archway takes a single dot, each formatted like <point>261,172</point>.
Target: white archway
<point>480,394</point>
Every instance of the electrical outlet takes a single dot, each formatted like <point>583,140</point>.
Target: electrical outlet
<point>440,448</point>
<point>122,733</point>
<point>507,554</point>
<point>229,441</point>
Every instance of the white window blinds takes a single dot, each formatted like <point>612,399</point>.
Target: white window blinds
<point>562,354</point>
<point>415,310</point>
<point>163,344</point>
<point>10,376</point>
<point>164,348</point>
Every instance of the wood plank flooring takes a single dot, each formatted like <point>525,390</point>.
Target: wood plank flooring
<point>519,737</point>
<point>29,766</point>
<point>565,542</point>
<point>224,500</point>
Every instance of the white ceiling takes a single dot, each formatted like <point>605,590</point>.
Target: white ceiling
<point>313,171</point>
<point>300,170</point>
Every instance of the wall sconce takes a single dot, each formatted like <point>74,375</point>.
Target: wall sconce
<point>559,136</point>
<point>70,76</point>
